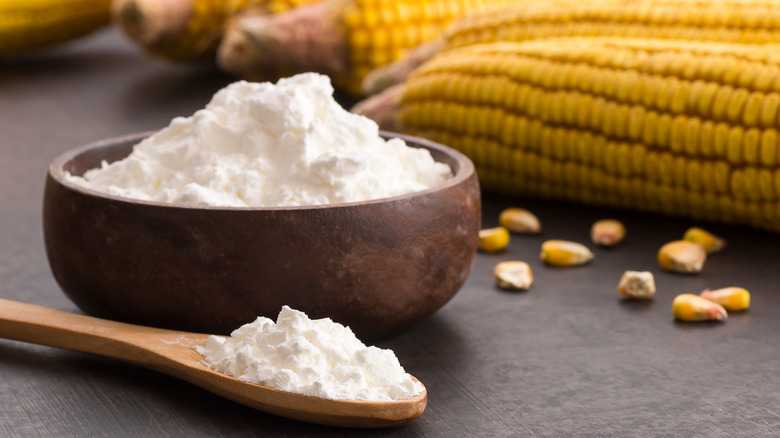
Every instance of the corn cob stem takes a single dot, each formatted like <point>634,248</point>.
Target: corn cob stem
<point>186,29</point>
<point>154,24</point>
<point>308,38</point>
<point>393,73</point>
<point>344,39</point>
<point>384,108</point>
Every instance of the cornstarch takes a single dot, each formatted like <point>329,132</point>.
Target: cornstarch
<point>312,357</point>
<point>266,145</point>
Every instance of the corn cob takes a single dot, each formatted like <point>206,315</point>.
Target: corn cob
<point>738,21</point>
<point>186,29</point>
<point>35,23</point>
<point>675,127</point>
<point>344,39</point>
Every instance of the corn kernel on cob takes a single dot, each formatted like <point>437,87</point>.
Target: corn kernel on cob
<point>731,298</point>
<point>344,39</point>
<point>737,21</point>
<point>674,127</point>
<point>186,29</point>
<point>35,23</point>
<point>689,307</point>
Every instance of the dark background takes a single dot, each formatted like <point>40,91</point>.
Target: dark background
<point>567,358</point>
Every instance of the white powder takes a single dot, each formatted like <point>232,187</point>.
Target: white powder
<point>264,145</point>
<point>312,357</point>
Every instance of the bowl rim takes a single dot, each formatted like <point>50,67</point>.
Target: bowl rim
<point>465,169</point>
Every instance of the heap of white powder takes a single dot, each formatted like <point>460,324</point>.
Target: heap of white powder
<point>312,357</point>
<point>266,145</point>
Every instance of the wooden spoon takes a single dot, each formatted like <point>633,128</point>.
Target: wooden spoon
<point>171,352</point>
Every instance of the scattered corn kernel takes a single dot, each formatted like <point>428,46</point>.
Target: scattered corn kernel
<point>513,275</point>
<point>493,239</point>
<point>710,242</point>
<point>689,307</point>
<point>520,220</point>
<point>682,256</point>
<point>607,232</point>
<point>732,299</point>
<point>637,285</point>
<point>565,253</point>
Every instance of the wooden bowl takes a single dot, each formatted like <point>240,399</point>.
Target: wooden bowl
<point>376,266</point>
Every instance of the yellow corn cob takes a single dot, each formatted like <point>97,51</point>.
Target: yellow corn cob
<point>186,29</point>
<point>341,38</point>
<point>27,24</point>
<point>676,127</point>
<point>738,21</point>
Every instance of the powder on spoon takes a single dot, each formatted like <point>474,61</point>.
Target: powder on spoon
<point>318,358</point>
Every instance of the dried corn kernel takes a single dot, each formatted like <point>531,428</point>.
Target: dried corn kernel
<point>493,239</point>
<point>520,220</point>
<point>607,232</point>
<point>682,256</point>
<point>731,298</point>
<point>689,307</point>
<point>565,253</point>
<point>637,285</point>
<point>710,242</point>
<point>513,275</point>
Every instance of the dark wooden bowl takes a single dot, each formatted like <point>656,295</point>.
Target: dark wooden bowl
<point>375,266</point>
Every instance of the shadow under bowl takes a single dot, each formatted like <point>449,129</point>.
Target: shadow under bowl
<point>376,266</point>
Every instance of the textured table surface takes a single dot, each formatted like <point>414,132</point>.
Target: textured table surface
<point>567,358</point>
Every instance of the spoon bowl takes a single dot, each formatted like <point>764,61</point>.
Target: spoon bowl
<point>171,352</point>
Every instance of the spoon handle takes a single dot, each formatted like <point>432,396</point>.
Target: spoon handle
<point>146,346</point>
<point>171,352</point>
